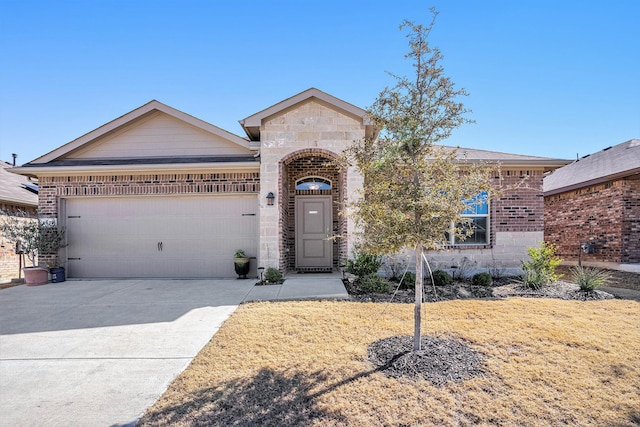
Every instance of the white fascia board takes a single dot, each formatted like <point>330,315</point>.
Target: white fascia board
<point>134,169</point>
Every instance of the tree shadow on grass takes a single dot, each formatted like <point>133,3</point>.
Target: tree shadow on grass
<point>268,399</point>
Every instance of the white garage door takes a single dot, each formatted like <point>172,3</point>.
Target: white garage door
<point>173,237</point>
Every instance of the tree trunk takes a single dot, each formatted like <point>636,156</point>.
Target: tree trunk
<point>418,308</point>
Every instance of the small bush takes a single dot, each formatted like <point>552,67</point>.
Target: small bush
<point>409,281</point>
<point>482,279</point>
<point>364,264</point>
<point>374,283</point>
<point>272,275</point>
<point>541,270</point>
<point>589,278</point>
<point>442,278</point>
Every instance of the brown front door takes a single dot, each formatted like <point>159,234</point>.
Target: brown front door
<point>313,229</point>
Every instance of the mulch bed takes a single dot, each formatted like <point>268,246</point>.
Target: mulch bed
<point>439,360</point>
<point>502,288</point>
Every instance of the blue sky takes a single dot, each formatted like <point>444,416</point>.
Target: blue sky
<point>546,78</point>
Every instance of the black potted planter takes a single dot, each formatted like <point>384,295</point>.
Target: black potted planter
<point>241,264</point>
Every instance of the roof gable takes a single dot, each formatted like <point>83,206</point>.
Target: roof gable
<point>611,163</point>
<point>152,130</point>
<point>252,124</point>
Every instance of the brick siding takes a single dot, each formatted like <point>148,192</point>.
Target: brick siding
<point>520,207</point>
<point>606,214</point>
<point>305,163</point>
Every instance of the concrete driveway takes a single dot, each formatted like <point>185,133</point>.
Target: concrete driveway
<point>98,353</point>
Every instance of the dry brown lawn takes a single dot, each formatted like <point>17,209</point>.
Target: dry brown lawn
<point>548,362</point>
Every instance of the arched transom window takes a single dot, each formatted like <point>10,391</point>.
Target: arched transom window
<point>313,183</point>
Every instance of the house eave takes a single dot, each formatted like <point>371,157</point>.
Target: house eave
<point>595,181</point>
<point>18,202</point>
<point>205,167</point>
<point>546,164</point>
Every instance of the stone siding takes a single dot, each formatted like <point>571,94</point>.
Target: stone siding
<point>309,129</point>
<point>606,215</point>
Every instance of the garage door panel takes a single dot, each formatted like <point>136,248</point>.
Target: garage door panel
<point>120,237</point>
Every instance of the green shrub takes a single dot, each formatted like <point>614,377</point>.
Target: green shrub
<point>272,275</point>
<point>589,278</point>
<point>442,278</point>
<point>541,270</point>
<point>482,279</point>
<point>409,280</point>
<point>364,264</point>
<point>374,283</point>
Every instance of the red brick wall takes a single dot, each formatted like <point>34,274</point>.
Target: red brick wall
<point>631,221</point>
<point>606,214</point>
<point>520,207</point>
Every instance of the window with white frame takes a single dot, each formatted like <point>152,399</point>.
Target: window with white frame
<point>477,218</point>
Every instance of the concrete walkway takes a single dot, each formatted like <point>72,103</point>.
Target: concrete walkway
<point>301,287</point>
<point>622,293</point>
<point>99,353</point>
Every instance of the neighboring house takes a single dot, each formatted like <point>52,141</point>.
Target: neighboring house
<point>592,206</point>
<point>17,194</point>
<point>159,193</point>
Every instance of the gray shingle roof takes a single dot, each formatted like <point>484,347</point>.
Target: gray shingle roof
<point>13,188</point>
<point>475,154</point>
<point>610,163</point>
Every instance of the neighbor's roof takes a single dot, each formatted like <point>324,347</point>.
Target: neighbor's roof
<point>611,163</point>
<point>507,159</point>
<point>16,189</point>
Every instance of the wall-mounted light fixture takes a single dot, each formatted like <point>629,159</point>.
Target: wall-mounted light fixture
<point>270,198</point>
